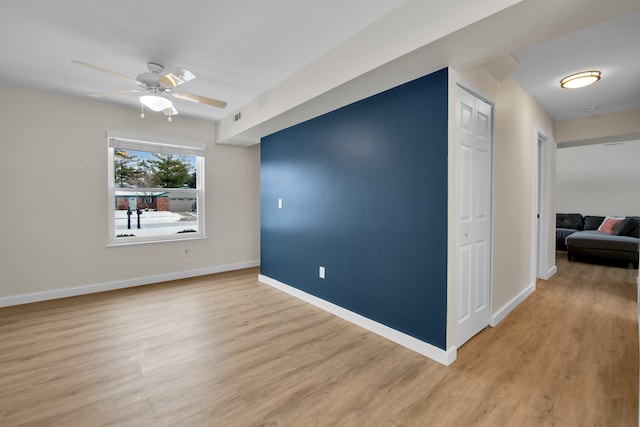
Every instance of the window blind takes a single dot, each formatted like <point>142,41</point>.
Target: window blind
<point>156,145</point>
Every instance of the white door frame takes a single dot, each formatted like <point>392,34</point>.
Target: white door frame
<point>492,103</point>
<point>541,214</point>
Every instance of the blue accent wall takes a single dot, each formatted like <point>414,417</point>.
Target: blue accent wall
<point>364,192</point>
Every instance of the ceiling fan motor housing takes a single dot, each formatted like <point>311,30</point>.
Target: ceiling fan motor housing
<point>149,80</point>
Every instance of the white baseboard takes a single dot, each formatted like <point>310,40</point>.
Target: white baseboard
<point>553,270</point>
<point>445,357</point>
<point>120,284</point>
<point>511,305</point>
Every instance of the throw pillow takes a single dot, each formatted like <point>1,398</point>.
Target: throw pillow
<point>624,227</point>
<point>608,224</point>
<point>635,231</point>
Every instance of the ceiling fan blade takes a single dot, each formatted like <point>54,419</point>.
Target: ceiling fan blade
<point>176,77</point>
<point>200,99</point>
<point>113,92</point>
<point>103,70</point>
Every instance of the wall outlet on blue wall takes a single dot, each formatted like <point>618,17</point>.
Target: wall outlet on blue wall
<point>321,272</point>
<point>279,203</point>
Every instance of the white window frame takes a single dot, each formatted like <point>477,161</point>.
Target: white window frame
<point>158,145</point>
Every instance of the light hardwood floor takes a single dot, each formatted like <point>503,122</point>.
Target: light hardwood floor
<point>224,350</point>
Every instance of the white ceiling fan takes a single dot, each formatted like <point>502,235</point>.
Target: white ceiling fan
<point>155,87</point>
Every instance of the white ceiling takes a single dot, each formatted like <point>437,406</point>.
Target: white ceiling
<point>240,49</point>
<point>237,49</point>
<point>612,47</point>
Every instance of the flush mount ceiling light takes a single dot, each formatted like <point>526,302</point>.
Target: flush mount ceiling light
<point>582,79</point>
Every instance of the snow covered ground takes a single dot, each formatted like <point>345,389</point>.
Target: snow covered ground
<point>156,223</point>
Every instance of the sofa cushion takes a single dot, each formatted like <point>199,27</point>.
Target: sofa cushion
<point>627,226</point>
<point>573,221</point>
<point>562,233</point>
<point>596,240</point>
<point>592,222</point>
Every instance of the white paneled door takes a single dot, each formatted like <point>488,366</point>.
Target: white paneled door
<point>473,189</point>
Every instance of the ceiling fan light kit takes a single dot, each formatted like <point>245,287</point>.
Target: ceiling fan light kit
<point>155,102</point>
<point>581,79</point>
<point>158,103</point>
<point>157,86</point>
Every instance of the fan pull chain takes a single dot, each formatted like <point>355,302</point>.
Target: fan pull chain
<point>142,109</point>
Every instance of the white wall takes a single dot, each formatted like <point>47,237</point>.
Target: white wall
<point>599,179</point>
<point>53,218</point>
<point>599,128</point>
<point>517,117</point>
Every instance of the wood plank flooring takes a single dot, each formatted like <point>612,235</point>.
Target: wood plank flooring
<point>225,350</point>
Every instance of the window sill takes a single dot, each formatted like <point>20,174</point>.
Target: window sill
<point>129,241</point>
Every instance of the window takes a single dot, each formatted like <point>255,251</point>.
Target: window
<point>156,189</point>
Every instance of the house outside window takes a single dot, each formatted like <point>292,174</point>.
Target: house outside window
<point>156,189</point>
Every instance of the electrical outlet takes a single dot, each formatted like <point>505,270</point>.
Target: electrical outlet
<point>279,203</point>
<point>321,272</point>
